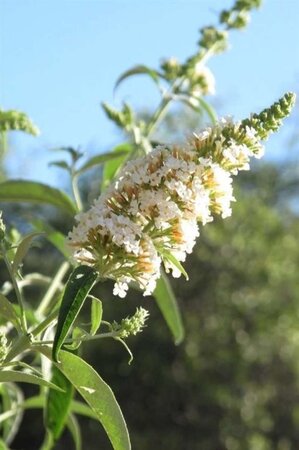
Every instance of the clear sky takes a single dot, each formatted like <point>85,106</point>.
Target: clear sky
<point>60,59</point>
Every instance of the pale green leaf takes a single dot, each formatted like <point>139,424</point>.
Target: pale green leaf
<point>22,249</point>
<point>101,159</point>
<point>34,192</point>
<point>82,409</point>
<point>172,259</point>
<point>8,312</point>
<point>75,431</point>
<point>55,237</point>
<point>112,167</point>
<point>19,377</point>
<point>209,110</point>
<point>97,394</point>
<point>167,303</point>
<point>138,70</point>
<point>96,314</point>
<point>11,398</point>
<point>61,164</point>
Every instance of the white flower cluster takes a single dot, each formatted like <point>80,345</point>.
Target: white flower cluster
<point>152,212</point>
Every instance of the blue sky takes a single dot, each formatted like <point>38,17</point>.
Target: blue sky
<point>60,59</point>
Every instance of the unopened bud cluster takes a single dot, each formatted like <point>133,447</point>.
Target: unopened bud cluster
<point>151,214</point>
<point>130,326</point>
<point>13,120</point>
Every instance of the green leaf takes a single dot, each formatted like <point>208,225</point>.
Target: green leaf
<point>3,445</point>
<point>8,312</point>
<point>77,288</point>
<point>74,428</point>
<point>98,396</point>
<point>96,314</point>
<point>58,404</point>
<point>209,110</point>
<point>172,259</point>
<point>61,164</point>
<point>11,398</point>
<point>82,409</point>
<point>76,407</point>
<point>55,237</point>
<point>33,192</point>
<point>168,305</point>
<point>78,335</point>
<point>22,249</point>
<point>15,376</point>
<point>111,167</point>
<point>75,154</point>
<point>138,70</point>
<point>101,159</point>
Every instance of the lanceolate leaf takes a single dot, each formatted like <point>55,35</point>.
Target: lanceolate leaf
<point>98,396</point>
<point>101,159</point>
<point>77,288</point>
<point>76,407</point>
<point>82,409</point>
<point>58,404</point>
<point>168,305</point>
<point>74,428</point>
<point>55,237</point>
<point>138,70</point>
<point>15,376</point>
<point>111,167</point>
<point>11,398</point>
<point>96,315</point>
<point>22,249</point>
<point>209,110</point>
<point>172,259</point>
<point>33,192</point>
<point>8,312</point>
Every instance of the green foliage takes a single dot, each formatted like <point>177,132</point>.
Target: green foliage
<point>33,192</point>
<point>167,303</point>
<point>240,305</point>
<point>98,396</point>
<point>58,404</point>
<point>77,288</point>
<point>10,376</point>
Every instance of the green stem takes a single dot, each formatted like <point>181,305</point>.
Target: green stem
<point>16,289</point>
<point>158,115</point>
<point>48,442</point>
<point>163,106</point>
<point>112,334</point>
<point>54,286</point>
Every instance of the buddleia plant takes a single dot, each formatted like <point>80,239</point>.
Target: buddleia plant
<point>155,198</point>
